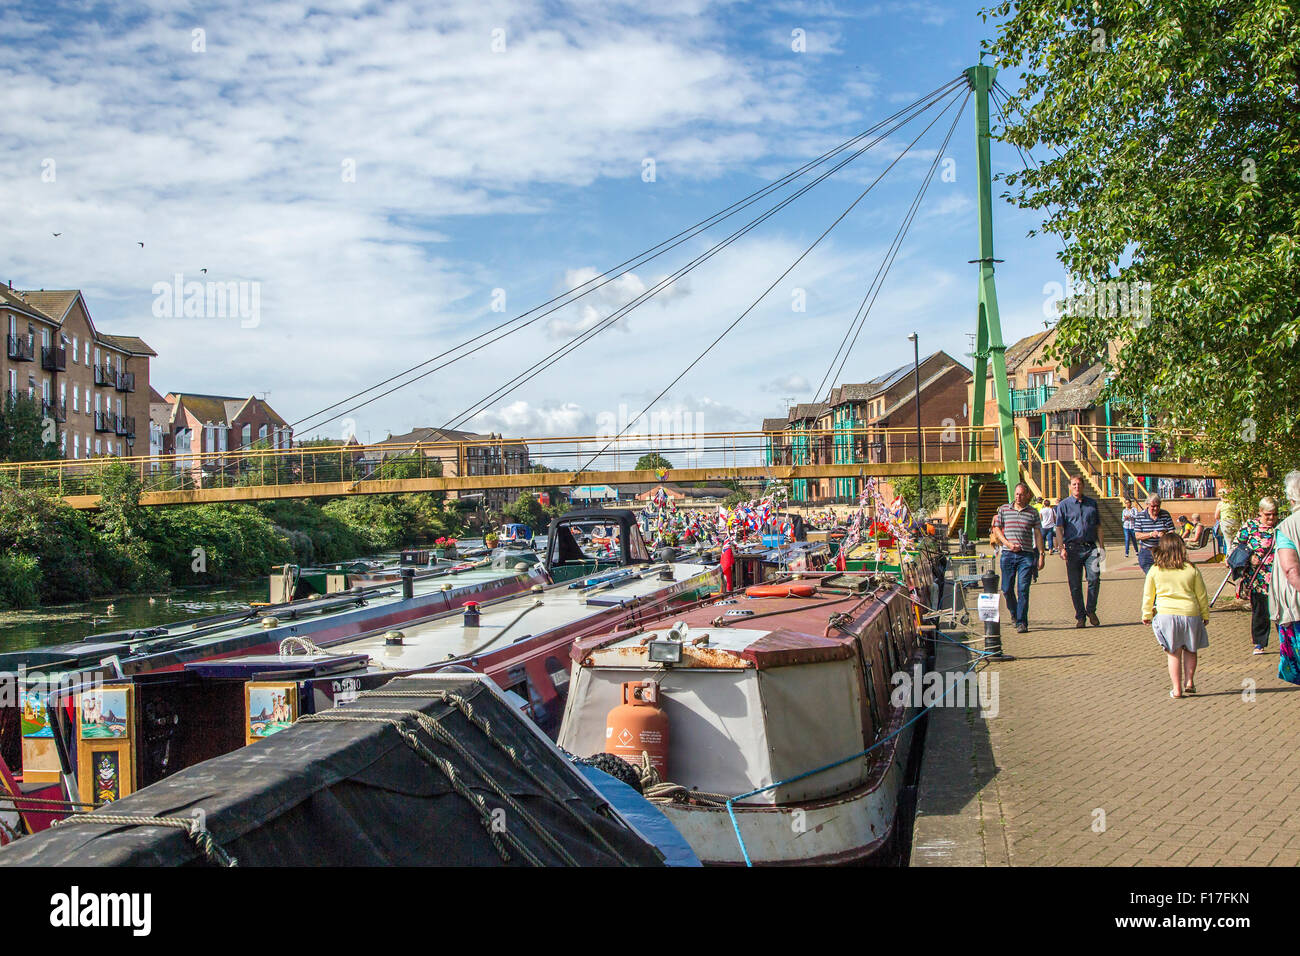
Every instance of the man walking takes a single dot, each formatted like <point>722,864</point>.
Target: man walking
<point>1018,532</point>
<point>1149,524</point>
<point>1082,546</point>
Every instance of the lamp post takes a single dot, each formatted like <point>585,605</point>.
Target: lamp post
<point>915,339</point>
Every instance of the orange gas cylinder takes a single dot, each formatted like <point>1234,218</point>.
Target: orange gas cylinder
<point>639,724</point>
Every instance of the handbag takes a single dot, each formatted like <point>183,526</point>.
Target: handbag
<point>1239,560</point>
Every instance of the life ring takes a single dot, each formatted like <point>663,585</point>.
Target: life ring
<point>781,590</point>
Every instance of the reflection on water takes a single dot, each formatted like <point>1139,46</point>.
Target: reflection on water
<point>20,630</point>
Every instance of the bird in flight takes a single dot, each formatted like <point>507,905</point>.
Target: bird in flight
<point>56,234</point>
<point>140,244</point>
<point>204,271</point>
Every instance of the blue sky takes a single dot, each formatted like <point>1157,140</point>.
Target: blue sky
<point>518,168</point>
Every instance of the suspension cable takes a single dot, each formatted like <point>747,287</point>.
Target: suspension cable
<point>626,266</point>
<point>608,322</point>
<point>765,292</point>
<point>888,261</point>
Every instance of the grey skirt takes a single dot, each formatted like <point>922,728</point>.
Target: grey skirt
<point>1175,631</point>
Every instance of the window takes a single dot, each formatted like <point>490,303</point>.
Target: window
<point>96,403</point>
<point>13,325</point>
<point>63,393</point>
<point>76,358</point>
<point>247,436</point>
<point>45,338</point>
<point>45,389</point>
<point>99,446</point>
<point>76,445</point>
<point>261,433</point>
<point>119,406</point>
<point>87,351</point>
<point>63,444</point>
<point>96,356</point>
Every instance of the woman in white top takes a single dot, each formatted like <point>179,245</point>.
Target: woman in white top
<point>1129,513</point>
<point>1047,517</point>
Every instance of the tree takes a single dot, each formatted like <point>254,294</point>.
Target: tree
<point>653,462</point>
<point>937,489</point>
<point>1172,136</point>
<point>24,430</point>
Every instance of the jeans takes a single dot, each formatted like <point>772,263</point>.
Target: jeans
<point>1049,539</point>
<point>1146,558</point>
<point>1017,570</point>
<point>1259,620</point>
<point>1081,559</point>
<point>1130,537</point>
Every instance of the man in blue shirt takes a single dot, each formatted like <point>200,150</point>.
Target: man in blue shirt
<point>1082,545</point>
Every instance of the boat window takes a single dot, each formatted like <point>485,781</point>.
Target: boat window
<point>637,550</point>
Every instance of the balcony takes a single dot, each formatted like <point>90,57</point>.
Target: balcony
<point>125,425</point>
<point>21,349</point>
<point>105,422</point>
<point>54,359</point>
<point>1026,401</point>
<point>126,382</point>
<point>55,410</point>
<point>105,375</point>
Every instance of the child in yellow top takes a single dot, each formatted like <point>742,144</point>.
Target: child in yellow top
<point>1175,586</point>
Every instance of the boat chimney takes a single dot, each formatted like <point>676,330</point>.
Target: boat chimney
<point>408,583</point>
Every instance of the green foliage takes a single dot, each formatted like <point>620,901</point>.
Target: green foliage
<point>1172,136</point>
<point>317,536</point>
<point>72,560</point>
<point>937,489</point>
<point>22,431</point>
<point>734,499</point>
<point>238,542</point>
<point>652,462</point>
<point>20,579</point>
<point>391,521</point>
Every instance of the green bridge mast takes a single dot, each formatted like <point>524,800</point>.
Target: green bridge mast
<point>988,330</point>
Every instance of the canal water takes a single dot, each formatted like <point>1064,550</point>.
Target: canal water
<point>23,630</point>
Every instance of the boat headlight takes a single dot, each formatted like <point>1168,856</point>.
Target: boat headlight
<point>665,651</point>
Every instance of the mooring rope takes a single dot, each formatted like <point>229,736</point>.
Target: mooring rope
<point>198,833</point>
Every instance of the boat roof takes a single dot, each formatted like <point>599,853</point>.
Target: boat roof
<point>796,632</point>
<point>445,635</point>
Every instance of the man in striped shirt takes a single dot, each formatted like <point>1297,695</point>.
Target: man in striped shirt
<point>1148,525</point>
<point>1017,530</point>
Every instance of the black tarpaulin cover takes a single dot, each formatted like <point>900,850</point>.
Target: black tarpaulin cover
<point>340,793</point>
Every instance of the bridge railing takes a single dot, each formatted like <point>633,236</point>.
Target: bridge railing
<point>354,464</point>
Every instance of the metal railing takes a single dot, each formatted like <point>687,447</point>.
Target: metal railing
<point>54,358</point>
<point>1026,401</point>
<point>126,382</point>
<point>21,348</point>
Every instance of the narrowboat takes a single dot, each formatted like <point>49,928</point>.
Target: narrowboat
<point>764,723</point>
<point>425,772</point>
<point>207,707</point>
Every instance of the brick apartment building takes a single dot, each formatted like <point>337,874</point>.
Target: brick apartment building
<point>95,385</point>
<point>187,423</point>
<point>868,408</point>
<point>482,455</point>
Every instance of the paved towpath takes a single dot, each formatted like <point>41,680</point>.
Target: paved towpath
<point>1089,762</point>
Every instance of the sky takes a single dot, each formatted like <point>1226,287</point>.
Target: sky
<point>383,181</point>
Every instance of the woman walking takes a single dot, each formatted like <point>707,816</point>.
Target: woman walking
<point>1128,514</point>
<point>1176,585</point>
<point>1284,594</point>
<point>1257,535</point>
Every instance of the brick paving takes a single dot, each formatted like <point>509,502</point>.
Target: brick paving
<point>1090,762</point>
